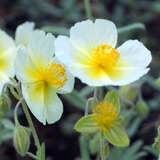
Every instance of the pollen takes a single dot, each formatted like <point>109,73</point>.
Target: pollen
<point>55,74</point>
<point>105,115</point>
<point>106,57</point>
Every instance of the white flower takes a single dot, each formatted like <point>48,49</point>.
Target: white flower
<point>24,33</point>
<point>7,56</point>
<point>90,54</point>
<point>42,77</point>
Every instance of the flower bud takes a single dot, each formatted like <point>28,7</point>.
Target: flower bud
<point>21,139</point>
<point>5,104</point>
<point>142,108</point>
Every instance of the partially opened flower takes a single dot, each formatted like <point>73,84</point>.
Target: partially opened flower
<point>90,54</point>
<point>42,77</point>
<point>107,120</point>
<point>24,33</point>
<point>7,56</point>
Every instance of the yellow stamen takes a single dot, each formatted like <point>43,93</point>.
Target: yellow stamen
<point>106,57</point>
<point>105,115</point>
<point>54,75</point>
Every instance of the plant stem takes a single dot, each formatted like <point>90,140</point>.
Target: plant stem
<point>102,148</point>
<point>32,156</point>
<point>95,94</point>
<point>88,9</point>
<point>28,117</point>
<point>15,111</point>
<point>84,148</point>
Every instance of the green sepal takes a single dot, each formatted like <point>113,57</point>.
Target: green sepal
<point>117,136</point>
<point>86,124</point>
<point>112,97</point>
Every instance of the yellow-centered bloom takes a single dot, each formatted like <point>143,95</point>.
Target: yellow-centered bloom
<point>90,54</point>
<point>7,56</point>
<point>42,77</point>
<point>106,116</point>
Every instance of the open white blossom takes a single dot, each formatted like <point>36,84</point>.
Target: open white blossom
<point>7,57</point>
<point>42,77</point>
<point>90,54</point>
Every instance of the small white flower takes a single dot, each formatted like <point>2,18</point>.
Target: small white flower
<point>7,56</point>
<point>90,54</point>
<point>42,77</point>
<point>24,33</point>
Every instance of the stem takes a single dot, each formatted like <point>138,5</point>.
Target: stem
<point>15,111</point>
<point>88,9</point>
<point>102,148</point>
<point>28,117</point>
<point>86,108</point>
<point>95,94</point>
<point>84,148</point>
<point>32,156</point>
<point>159,157</point>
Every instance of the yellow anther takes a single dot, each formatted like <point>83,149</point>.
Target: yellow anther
<point>106,57</point>
<point>105,115</point>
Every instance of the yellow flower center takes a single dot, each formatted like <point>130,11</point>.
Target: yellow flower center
<point>106,57</point>
<point>54,74</point>
<point>105,115</point>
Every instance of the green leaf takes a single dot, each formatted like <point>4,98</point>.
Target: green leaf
<point>8,124</point>
<point>128,28</point>
<point>113,98</point>
<point>117,136</point>
<point>86,124</point>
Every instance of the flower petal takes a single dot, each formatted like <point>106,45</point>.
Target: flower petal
<point>42,101</point>
<point>136,57</point>
<point>54,107</point>
<point>3,80</point>
<point>24,66</point>
<point>136,53</point>
<point>7,58</point>
<point>41,47</point>
<point>69,85</point>
<point>33,94</point>
<point>106,32</point>
<point>88,34</point>
<point>24,32</point>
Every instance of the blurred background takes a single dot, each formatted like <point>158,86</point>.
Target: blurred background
<point>62,142</point>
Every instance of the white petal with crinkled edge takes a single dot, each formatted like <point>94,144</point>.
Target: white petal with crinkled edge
<point>135,53</point>
<point>24,32</point>
<point>67,53</point>
<point>133,75</point>
<point>43,103</point>
<point>23,65</point>
<point>88,34</point>
<point>41,47</point>
<point>7,58</point>
<point>34,97</point>
<point>69,85</point>
<point>54,107</point>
